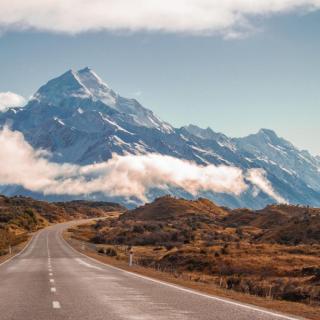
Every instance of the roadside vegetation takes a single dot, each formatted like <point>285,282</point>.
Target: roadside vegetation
<point>20,216</point>
<point>272,253</point>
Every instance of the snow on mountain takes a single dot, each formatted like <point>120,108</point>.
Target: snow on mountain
<point>86,86</point>
<point>97,88</point>
<point>80,119</point>
<point>281,157</point>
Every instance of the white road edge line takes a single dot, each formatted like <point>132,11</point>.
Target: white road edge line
<point>212,297</point>
<point>56,305</point>
<point>24,249</point>
<point>87,264</point>
<point>48,251</point>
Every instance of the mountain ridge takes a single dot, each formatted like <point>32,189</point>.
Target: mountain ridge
<point>81,120</point>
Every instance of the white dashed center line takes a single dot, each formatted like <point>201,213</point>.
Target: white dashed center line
<point>55,304</point>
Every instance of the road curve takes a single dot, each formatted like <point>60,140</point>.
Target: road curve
<point>50,280</point>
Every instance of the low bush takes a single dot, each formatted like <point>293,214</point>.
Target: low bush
<point>111,252</point>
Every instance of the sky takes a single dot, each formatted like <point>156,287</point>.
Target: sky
<point>236,67</point>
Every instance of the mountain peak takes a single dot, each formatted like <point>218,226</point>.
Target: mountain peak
<point>197,131</point>
<point>88,73</point>
<point>207,133</point>
<point>75,88</point>
<point>84,83</point>
<point>66,85</point>
<point>267,132</point>
<point>265,136</point>
<point>270,136</point>
<point>85,69</point>
<point>96,86</point>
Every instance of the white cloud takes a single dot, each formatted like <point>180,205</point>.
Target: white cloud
<point>258,178</point>
<point>127,176</point>
<point>130,175</point>
<point>232,18</point>
<point>10,100</point>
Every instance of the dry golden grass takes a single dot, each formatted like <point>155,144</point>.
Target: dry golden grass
<point>197,282</point>
<point>230,249</point>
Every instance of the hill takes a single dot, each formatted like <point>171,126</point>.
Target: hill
<point>168,208</point>
<point>283,224</point>
<point>20,216</point>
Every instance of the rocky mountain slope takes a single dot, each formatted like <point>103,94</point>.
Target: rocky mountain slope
<point>80,119</point>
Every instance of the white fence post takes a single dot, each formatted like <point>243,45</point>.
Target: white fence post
<point>130,258</point>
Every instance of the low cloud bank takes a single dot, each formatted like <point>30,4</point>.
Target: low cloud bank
<point>231,18</point>
<point>258,178</point>
<point>10,100</point>
<point>127,176</point>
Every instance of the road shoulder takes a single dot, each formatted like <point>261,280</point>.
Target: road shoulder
<point>284,307</point>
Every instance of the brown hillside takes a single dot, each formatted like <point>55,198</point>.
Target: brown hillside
<point>168,207</point>
<point>21,215</point>
<point>284,224</point>
<point>271,252</point>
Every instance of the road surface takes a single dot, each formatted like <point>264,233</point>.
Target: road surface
<point>50,280</point>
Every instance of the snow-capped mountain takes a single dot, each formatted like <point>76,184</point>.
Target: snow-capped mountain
<point>81,120</point>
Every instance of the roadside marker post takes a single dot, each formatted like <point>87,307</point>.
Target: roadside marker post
<point>10,250</point>
<point>130,258</point>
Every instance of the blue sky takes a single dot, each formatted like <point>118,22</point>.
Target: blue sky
<point>268,77</point>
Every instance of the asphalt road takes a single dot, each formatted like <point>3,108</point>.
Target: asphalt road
<point>49,280</point>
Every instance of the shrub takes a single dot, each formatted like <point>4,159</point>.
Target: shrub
<point>111,252</point>
<point>101,251</point>
<point>224,251</point>
<point>3,252</point>
<point>99,238</point>
<point>169,246</point>
<point>138,229</point>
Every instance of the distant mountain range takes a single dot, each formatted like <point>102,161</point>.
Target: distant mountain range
<point>80,119</point>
